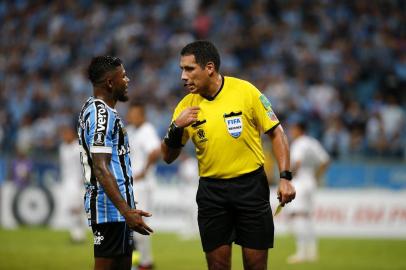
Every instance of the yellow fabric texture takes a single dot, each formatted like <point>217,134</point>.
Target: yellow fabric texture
<point>227,135</point>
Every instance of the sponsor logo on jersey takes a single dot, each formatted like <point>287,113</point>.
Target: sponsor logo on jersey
<point>101,118</point>
<point>265,102</point>
<point>97,238</point>
<point>201,135</point>
<point>234,125</point>
<point>123,150</point>
<point>99,138</point>
<point>272,115</point>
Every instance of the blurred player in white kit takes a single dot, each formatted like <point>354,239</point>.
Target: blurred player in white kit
<point>188,173</point>
<point>144,153</point>
<point>72,183</point>
<point>309,162</point>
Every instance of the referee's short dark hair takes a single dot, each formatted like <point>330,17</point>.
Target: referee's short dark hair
<point>204,52</point>
<point>100,65</point>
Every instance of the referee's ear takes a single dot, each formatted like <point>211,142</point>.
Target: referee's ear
<point>211,68</point>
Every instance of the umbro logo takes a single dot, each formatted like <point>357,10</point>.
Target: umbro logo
<point>98,238</point>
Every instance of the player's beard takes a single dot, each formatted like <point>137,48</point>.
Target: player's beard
<point>122,95</point>
<point>123,98</point>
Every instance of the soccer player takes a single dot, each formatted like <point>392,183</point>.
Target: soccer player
<point>225,117</point>
<point>109,200</point>
<point>309,162</point>
<point>72,183</point>
<point>188,174</point>
<point>145,152</point>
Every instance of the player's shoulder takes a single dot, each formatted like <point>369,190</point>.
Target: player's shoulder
<point>238,83</point>
<point>102,109</point>
<point>305,141</point>
<point>97,112</point>
<point>190,100</point>
<point>300,141</point>
<point>243,87</point>
<point>146,128</point>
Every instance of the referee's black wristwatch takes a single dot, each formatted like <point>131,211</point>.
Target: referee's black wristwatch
<point>286,175</point>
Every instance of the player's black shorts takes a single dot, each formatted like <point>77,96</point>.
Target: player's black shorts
<point>235,210</point>
<point>112,239</point>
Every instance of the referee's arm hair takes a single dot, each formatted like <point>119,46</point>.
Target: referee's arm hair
<point>169,154</point>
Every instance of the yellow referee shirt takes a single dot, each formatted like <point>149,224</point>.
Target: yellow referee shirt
<point>227,135</point>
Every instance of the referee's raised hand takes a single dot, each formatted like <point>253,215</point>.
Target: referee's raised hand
<point>134,220</point>
<point>187,117</point>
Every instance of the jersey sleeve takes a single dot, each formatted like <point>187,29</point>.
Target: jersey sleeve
<point>181,106</point>
<point>100,129</point>
<point>262,111</point>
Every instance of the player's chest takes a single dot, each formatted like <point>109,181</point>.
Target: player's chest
<point>217,121</point>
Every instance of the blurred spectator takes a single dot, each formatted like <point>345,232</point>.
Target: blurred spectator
<point>188,173</point>
<point>336,138</point>
<point>393,124</point>
<point>338,61</point>
<point>22,170</point>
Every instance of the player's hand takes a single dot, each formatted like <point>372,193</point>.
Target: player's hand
<point>133,218</point>
<point>187,117</point>
<point>286,191</point>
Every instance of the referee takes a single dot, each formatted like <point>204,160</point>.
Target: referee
<point>225,117</point>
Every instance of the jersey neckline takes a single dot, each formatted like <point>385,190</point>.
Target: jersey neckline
<point>102,101</point>
<point>218,92</point>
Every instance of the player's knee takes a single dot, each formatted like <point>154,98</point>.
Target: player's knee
<point>255,261</point>
<point>255,265</point>
<point>218,264</point>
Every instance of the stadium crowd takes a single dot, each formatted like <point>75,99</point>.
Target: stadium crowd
<point>341,65</point>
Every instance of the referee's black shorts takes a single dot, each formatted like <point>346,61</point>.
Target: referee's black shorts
<point>235,210</point>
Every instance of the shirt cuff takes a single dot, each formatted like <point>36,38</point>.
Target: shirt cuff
<point>101,149</point>
<point>272,128</point>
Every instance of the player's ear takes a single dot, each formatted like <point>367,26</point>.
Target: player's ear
<point>210,68</point>
<point>109,83</point>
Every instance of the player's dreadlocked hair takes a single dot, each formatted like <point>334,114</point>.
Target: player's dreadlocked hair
<point>100,65</point>
<point>204,52</point>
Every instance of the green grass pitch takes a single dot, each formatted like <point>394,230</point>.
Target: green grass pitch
<point>46,249</point>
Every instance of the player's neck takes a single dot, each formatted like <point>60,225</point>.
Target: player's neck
<point>214,87</point>
<point>100,93</point>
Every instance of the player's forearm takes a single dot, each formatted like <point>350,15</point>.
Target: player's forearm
<point>107,180</point>
<point>169,154</point>
<point>280,148</point>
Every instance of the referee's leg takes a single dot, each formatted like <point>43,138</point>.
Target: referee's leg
<point>219,258</point>
<point>254,259</point>
<point>215,223</point>
<point>254,221</point>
